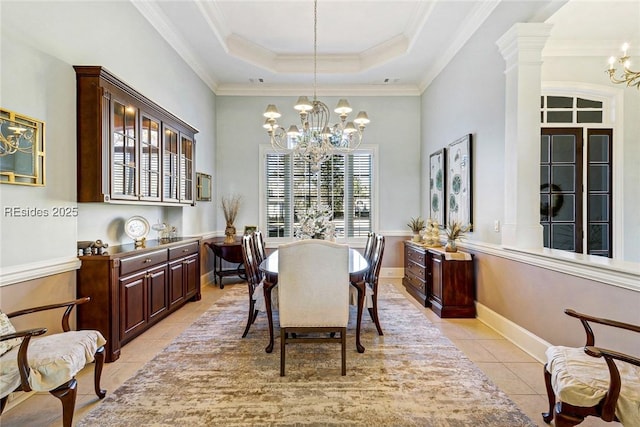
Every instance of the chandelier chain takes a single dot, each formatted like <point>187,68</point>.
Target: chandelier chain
<point>315,49</point>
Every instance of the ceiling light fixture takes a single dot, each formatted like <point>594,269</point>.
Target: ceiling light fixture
<point>631,78</point>
<point>316,141</point>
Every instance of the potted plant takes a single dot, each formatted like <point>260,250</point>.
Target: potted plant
<point>454,232</point>
<point>416,225</point>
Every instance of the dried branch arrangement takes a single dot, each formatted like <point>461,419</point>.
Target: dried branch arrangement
<point>230,207</point>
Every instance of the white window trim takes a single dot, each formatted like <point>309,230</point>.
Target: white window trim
<point>352,241</point>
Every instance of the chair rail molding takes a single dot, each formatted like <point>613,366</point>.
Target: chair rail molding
<point>36,270</point>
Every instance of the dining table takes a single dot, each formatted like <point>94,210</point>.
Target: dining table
<point>358,267</point>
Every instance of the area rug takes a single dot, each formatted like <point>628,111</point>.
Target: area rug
<point>210,376</point>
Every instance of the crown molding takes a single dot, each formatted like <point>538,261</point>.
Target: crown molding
<point>260,89</point>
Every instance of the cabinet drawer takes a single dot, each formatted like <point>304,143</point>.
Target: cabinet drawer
<point>416,256</point>
<point>416,283</point>
<point>416,269</point>
<point>142,261</point>
<point>183,250</point>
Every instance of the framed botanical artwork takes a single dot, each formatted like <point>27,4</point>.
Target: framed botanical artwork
<point>459,185</point>
<point>437,181</point>
<point>203,187</point>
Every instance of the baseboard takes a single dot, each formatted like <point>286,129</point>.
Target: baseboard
<point>16,398</point>
<point>391,273</point>
<point>528,342</point>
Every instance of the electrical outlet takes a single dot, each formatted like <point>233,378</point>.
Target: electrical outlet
<point>496,225</point>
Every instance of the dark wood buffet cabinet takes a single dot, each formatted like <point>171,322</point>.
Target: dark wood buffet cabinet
<point>133,288</point>
<point>444,282</point>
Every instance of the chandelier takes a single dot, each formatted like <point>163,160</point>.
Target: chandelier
<point>631,78</point>
<point>315,141</point>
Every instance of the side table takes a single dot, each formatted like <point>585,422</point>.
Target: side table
<point>230,252</point>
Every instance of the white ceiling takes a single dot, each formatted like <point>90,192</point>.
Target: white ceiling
<point>399,46</point>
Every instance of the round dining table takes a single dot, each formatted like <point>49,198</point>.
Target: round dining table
<point>358,267</point>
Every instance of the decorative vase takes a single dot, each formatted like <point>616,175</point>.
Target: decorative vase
<point>230,233</point>
<point>451,246</point>
<point>417,237</point>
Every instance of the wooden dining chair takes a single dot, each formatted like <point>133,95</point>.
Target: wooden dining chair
<point>313,282</point>
<point>254,278</point>
<point>368,247</point>
<point>259,244</point>
<point>371,279</point>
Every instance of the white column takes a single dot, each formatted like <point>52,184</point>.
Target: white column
<point>521,47</point>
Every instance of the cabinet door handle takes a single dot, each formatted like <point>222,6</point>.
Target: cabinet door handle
<point>148,260</point>
<point>185,250</point>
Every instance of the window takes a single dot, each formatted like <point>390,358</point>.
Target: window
<point>344,184</point>
<point>575,217</point>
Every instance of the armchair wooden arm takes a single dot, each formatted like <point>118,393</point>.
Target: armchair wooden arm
<point>611,399</point>
<point>569,413</point>
<point>65,315</point>
<point>56,374</point>
<point>23,364</point>
<point>585,319</point>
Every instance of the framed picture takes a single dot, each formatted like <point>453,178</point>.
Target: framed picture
<point>459,185</point>
<point>21,149</point>
<point>203,187</point>
<point>437,181</point>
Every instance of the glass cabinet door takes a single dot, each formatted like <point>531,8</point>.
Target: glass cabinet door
<point>124,151</point>
<point>170,164</point>
<point>149,158</point>
<point>186,169</point>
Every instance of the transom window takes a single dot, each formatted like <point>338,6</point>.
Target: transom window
<point>344,184</point>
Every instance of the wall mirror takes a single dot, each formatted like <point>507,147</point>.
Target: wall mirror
<point>21,149</point>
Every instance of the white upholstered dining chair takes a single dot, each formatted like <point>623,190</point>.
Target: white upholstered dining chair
<point>313,295</point>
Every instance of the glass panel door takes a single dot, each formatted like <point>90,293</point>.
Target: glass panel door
<point>124,151</point>
<point>599,193</point>
<point>561,188</point>
<point>149,158</point>
<point>186,169</point>
<point>170,165</point>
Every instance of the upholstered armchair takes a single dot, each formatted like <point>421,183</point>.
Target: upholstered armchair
<point>313,295</point>
<point>48,363</point>
<point>592,381</point>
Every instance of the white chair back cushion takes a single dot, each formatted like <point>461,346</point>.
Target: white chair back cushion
<point>313,284</point>
<point>582,380</point>
<point>54,360</point>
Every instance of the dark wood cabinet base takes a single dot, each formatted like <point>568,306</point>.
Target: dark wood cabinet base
<point>131,288</point>
<point>442,281</point>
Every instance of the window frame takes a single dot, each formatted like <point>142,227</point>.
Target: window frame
<point>371,149</point>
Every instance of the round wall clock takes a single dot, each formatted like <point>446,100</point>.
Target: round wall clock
<point>137,228</point>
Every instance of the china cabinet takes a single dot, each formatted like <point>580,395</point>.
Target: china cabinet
<point>129,148</point>
<point>132,288</point>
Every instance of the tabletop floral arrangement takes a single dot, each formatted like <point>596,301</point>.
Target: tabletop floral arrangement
<point>455,231</point>
<point>316,223</point>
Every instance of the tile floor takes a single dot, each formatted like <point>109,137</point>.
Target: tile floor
<point>511,369</point>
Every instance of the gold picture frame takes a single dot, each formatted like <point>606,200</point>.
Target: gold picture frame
<point>203,187</point>
<point>21,149</point>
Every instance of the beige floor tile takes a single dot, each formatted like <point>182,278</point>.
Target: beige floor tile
<point>533,405</point>
<point>531,373</point>
<point>475,353</point>
<point>505,351</point>
<point>506,380</point>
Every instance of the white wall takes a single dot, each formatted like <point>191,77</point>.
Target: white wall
<point>38,80</point>
<point>394,128</point>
